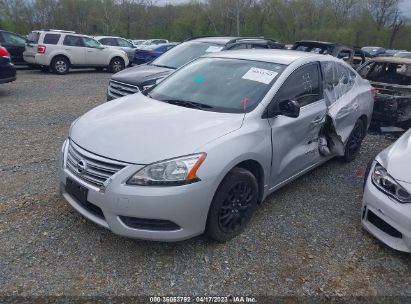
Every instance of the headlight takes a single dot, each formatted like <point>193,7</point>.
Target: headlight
<point>173,172</point>
<point>386,183</point>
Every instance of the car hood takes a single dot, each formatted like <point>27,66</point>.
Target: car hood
<point>141,74</point>
<point>141,130</point>
<point>396,158</point>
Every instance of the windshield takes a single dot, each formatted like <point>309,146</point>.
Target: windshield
<point>219,84</point>
<point>185,52</point>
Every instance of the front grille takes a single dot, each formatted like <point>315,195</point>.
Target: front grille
<point>383,225</point>
<point>120,89</point>
<point>149,224</point>
<point>94,170</point>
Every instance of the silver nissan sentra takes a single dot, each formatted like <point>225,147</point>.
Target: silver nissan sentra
<point>197,152</point>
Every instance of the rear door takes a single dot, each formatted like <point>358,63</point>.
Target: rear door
<point>295,140</point>
<point>74,47</point>
<point>15,45</point>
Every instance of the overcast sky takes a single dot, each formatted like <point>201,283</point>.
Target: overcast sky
<point>405,5</point>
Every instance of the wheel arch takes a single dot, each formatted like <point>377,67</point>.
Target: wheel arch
<point>60,55</point>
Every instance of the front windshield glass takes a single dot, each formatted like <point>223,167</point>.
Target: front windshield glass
<point>185,52</point>
<point>219,84</point>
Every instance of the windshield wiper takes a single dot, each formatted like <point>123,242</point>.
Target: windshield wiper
<point>188,104</point>
<point>163,66</point>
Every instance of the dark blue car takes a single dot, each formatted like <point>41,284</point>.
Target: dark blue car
<point>151,52</point>
<point>7,69</point>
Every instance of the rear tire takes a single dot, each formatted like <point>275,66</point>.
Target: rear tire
<point>116,65</point>
<point>233,205</point>
<point>354,142</point>
<point>60,65</point>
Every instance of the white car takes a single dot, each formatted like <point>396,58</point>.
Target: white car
<point>386,210</point>
<point>61,50</point>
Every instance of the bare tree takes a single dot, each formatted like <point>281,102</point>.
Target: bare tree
<point>383,11</point>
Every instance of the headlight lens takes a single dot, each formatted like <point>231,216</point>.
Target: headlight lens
<point>177,171</point>
<point>386,183</point>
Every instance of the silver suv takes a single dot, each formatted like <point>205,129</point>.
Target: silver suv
<point>61,50</point>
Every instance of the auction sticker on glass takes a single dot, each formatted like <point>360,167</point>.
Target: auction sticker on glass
<point>260,75</point>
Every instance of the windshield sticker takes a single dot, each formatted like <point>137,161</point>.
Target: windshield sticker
<point>260,75</point>
<point>198,79</point>
<point>213,49</point>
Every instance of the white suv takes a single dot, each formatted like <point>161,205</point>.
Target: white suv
<point>60,50</point>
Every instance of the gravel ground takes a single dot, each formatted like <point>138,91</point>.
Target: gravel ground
<point>305,239</point>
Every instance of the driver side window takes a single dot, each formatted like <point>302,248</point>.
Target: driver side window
<point>303,86</point>
<point>90,43</point>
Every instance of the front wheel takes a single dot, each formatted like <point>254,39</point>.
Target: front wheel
<point>354,142</point>
<point>233,205</point>
<point>116,65</point>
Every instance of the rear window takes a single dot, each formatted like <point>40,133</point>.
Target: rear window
<point>51,38</point>
<point>33,37</point>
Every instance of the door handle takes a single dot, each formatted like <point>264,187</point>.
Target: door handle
<point>355,106</point>
<point>317,120</point>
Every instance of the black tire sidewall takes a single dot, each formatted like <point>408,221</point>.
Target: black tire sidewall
<point>348,155</point>
<point>213,229</point>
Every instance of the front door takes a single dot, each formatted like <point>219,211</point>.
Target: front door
<point>295,140</point>
<point>96,54</point>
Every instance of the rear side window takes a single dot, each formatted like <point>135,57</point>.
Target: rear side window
<point>70,40</point>
<point>338,80</point>
<point>124,43</point>
<point>51,38</point>
<point>303,86</point>
<point>108,41</point>
<point>33,37</point>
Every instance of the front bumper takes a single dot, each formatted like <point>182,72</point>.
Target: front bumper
<point>387,220</point>
<point>186,206</point>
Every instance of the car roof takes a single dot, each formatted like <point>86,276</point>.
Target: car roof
<point>314,42</point>
<point>216,40</point>
<point>101,37</point>
<point>267,55</point>
<point>397,60</point>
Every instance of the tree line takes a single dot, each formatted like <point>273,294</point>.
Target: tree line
<point>354,22</point>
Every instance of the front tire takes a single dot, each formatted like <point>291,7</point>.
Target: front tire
<point>233,205</point>
<point>116,65</point>
<point>354,142</point>
<point>60,65</point>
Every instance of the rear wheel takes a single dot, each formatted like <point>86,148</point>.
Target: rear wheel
<point>116,65</point>
<point>60,65</point>
<point>233,205</point>
<point>354,142</point>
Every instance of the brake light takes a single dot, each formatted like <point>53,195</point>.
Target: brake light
<point>4,53</point>
<point>374,92</point>
<point>41,49</point>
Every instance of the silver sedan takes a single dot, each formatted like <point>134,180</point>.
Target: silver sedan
<point>198,151</point>
<point>387,195</point>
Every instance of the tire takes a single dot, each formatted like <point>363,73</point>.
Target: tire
<point>354,142</point>
<point>44,68</point>
<point>116,65</point>
<point>233,205</point>
<point>60,65</point>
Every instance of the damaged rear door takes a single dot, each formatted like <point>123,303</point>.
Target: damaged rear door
<point>295,140</point>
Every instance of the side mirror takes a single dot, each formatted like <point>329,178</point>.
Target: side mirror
<point>289,108</point>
